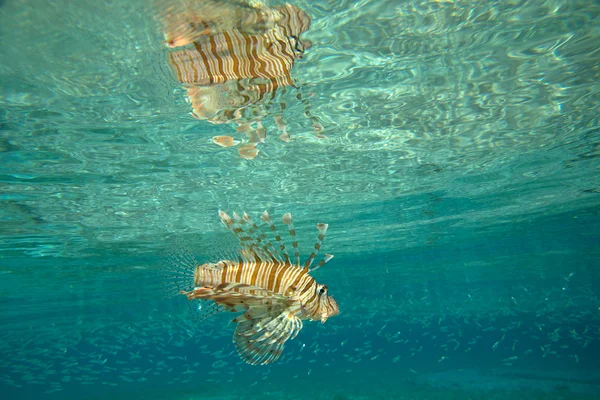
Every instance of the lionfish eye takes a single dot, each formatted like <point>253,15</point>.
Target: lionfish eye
<point>297,44</point>
<point>323,289</point>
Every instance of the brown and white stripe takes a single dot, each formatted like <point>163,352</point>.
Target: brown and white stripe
<point>265,58</point>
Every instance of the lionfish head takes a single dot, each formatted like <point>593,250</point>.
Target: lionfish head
<point>327,306</point>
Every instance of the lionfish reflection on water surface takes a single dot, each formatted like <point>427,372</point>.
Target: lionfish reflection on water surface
<point>233,57</point>
<point>275,291</point>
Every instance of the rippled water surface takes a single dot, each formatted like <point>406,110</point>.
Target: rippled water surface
<point>457,169</point>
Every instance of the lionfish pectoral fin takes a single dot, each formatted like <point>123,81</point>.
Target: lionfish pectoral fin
<point>248,292</point>
<point>227,291</point>
<point>261,334</point>
<point>264,308</point>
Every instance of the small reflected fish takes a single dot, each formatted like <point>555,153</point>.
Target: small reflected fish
<point>275,292</point>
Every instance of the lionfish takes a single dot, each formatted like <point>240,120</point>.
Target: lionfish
<point>232,57</point>
<point>275,291</point>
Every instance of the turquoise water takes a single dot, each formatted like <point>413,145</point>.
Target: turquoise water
<point>458,174</point>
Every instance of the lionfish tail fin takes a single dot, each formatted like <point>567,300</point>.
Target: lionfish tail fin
<point>322,228</point>
<point>179,266</point>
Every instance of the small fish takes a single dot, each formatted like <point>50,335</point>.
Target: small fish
<point>275,291</point>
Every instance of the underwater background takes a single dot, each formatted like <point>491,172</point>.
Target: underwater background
<point>458,171</point>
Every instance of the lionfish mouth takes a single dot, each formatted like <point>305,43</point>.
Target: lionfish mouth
<point>332,312</point>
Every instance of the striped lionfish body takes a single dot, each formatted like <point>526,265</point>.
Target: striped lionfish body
<point>275,291</point>
<point>233,71</point>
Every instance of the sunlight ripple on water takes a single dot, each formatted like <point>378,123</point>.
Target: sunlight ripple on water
<point>469,100</point>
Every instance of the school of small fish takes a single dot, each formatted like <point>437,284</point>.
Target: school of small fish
<point>407,327</point>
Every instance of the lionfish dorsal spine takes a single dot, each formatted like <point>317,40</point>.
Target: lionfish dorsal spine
<point>261,239</point>
<point>287,219</point>
<point>265,217</point>
<point>248,241</point>
<point>322,228</point>
<point>247,252</point>
<point>322,262</point>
